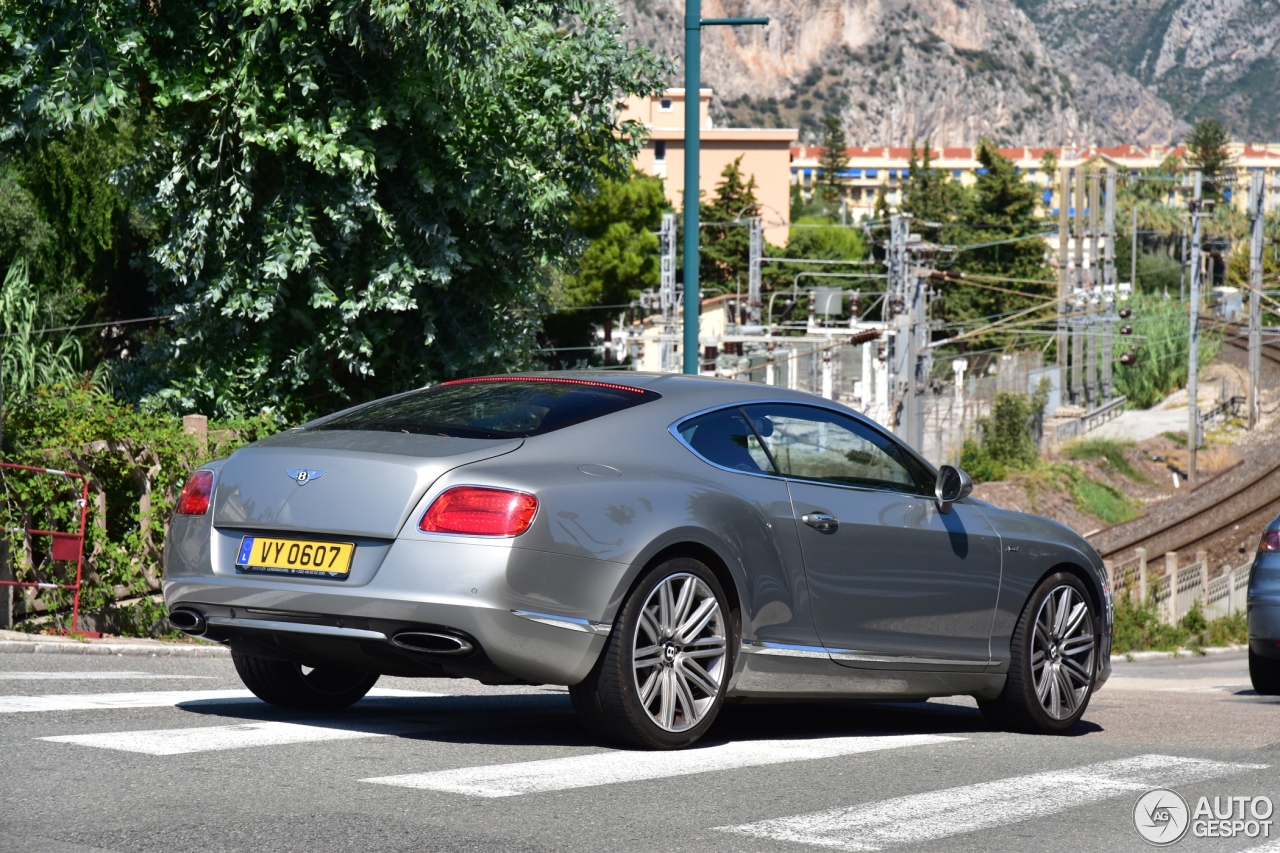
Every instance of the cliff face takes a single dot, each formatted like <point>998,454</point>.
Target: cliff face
<point>1201,58</point>
<point>952,71</point>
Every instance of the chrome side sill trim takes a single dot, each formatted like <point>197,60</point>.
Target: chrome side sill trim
<point>784,650</point>
<point>586,626</point>
<point>295,628</point>
<point>868,657</point>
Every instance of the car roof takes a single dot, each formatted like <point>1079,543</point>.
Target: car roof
<point>683,388</point>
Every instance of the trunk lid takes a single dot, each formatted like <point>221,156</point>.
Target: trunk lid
<point>368,485</point>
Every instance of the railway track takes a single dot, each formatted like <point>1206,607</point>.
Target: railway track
<point>1269,351</point>
<point>1245,496</point>
<point>1237,336</point>
<point>1238,498</point>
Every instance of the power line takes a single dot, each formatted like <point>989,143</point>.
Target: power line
<point>85,326</point>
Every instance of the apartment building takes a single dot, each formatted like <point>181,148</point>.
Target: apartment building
<point>766,155</point>
<point>872,168</point>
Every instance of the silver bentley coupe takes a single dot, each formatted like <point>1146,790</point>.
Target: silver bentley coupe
<point>660,544</point>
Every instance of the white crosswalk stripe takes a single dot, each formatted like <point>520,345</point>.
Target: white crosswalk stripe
<point>91,676</point>
<point>604,768</point>
<point>244,735</point>
<point>152,699</point>
<point>921,818</point>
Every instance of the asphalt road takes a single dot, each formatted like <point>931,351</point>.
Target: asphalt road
<point>154,754</point>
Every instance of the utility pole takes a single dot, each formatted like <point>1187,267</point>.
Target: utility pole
<point>1133,250</point>
<point>693,24</point>
<point>667,291</point>
<point>1094,301</point>
<point>1193,353</point>
<point>1257,199</point>
<point>1078,292</point>
<point>901,353</point>
<point>1064,281</point>
<point>755,253</point>
<point>1109,289</point>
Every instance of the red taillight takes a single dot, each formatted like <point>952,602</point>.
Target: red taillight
<point>1270,541</point>
<point>194,499</point>
<point>476,511</point>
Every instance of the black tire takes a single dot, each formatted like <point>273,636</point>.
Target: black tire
<point>325,688</point>
<point>1019,707</point>
<point>609,700</point>
<point>1265,674</point>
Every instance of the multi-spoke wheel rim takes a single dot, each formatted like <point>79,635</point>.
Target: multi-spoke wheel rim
<point>679,652</point>
<point>1062,652</point>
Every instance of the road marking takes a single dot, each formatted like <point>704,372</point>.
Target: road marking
<point>921,818</point>
<point>90,676</point>
<point>604,768</point>
<point>212,738</point>
<point>153,699</point>
<point>1174,685</point>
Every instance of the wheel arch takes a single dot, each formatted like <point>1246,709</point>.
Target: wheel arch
<point>1085,576</point>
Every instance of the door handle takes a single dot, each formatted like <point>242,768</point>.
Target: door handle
<point>821,521</point>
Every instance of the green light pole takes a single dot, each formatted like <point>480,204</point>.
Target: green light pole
<point>693,24</point>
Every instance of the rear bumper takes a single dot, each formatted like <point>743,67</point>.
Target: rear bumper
<point>528,615</point>
<point>1264,621</point>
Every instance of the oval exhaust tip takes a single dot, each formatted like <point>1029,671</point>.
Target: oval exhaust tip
<point>187,621</point>
<point>428,641</point>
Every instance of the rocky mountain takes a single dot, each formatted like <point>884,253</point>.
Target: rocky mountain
<point>1024,72</point>
<point>1199,57</point>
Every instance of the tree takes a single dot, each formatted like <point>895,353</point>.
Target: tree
<point>1002,229</point>
<point>351,199</point>
<point>928,195</point>
<point>725,238</point>
<point>621,258</point>
<point>834,160</point>
<point>1049,163</point>
<point>1207,152</point>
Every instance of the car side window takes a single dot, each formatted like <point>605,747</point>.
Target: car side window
<point>809,443</point>
<point>724,438</point>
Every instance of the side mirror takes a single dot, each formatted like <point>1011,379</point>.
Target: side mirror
<point>953,485</point>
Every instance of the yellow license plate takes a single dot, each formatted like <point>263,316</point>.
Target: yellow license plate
<point>295,556</point>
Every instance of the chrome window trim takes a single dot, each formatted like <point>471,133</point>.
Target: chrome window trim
<point>585,626</point>
<point>674,429</point>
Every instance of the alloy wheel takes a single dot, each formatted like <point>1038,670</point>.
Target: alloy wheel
<point>1062,651</point>
<point>679,652</point>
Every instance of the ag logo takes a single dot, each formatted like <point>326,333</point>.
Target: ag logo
<point>302,476</point>
<point>1161,816</point>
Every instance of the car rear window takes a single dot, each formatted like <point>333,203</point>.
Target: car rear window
<point>492,408</point>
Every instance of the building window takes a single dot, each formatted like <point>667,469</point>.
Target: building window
<point>664,104</point>
<point>660,150</point>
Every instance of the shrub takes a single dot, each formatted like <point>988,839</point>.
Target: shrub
<point>1138,628</point>
<point>135,463</point>
<point>980,467</point>
<point>1160,327</point>
<point>1106,449</point>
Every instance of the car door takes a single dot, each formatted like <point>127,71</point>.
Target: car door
<point>751,513</point>
<point>894,581</point>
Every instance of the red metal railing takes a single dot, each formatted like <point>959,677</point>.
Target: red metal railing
<point>65,546</point>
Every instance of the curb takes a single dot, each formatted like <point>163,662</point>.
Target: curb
<point>113,649</point>
<point>1133,657</point>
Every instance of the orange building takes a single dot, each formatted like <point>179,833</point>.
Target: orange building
<point>765,153</point>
